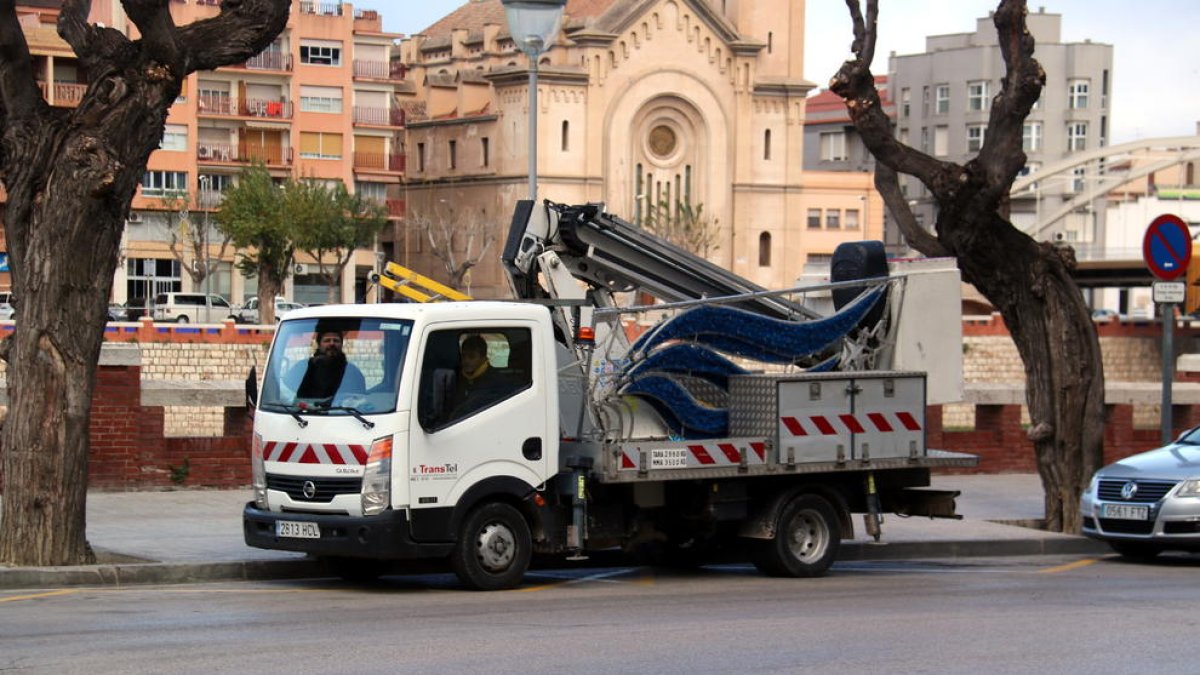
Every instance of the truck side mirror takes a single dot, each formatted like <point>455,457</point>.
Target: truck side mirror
<point>252,388</point>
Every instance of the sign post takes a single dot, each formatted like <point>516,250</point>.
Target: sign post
<point>1167,250</point>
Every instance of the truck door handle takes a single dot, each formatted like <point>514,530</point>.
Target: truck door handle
<point>532,448</point>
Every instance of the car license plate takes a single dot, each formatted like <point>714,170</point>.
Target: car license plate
<point>1125,512</point>
<point>297,530</point>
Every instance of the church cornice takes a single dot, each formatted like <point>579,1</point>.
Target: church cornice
<point>509,77</point>
<point>783,87</point>
<point>623,16</point>
<point>451,121</point>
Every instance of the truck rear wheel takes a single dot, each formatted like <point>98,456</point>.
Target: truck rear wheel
<point>806,541</point>
<point>493,549</point>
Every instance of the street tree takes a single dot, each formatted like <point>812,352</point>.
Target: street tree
<point>1028,281</point>
<point>685,225</point>
<point>258,216</point>
<point>70,175</point>
<point>190,236</point>
<point>459,238</point>
<point>337,223</point>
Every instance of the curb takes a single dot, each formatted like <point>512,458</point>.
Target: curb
<point>130,574</point>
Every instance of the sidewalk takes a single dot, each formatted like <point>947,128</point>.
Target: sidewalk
<point>172,537</point>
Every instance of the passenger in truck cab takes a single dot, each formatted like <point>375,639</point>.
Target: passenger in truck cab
<point>328,371</point>
<point>477,384</point>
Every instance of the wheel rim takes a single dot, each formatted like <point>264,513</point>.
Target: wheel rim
<point>496,547</point>
<point>808,536</point>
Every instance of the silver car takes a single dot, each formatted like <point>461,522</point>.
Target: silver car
<point>1148,503</point>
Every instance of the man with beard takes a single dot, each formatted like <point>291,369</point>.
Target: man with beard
<point>328,371</point>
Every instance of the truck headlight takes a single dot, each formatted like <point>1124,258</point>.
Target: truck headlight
<point>377,478</point>
<point>258,472</point>
<point>1190,488</point>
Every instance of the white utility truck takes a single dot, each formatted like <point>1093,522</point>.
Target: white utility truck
<point>717,419</point>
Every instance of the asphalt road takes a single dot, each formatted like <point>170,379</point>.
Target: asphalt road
<point>1012,615</point>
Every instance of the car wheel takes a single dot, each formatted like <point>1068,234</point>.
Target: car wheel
<point>806,542</point>
<point>182,319</point>
<point>493,548</point>
<point>1135,550</point>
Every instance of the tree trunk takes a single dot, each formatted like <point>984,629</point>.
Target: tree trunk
<point>1029,282</point>
<point>270,284</point>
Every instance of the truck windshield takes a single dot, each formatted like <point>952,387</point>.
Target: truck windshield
<point>336,366</point>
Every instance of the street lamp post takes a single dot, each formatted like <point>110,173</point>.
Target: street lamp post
<point>205,186</point>
<point>533,25</point>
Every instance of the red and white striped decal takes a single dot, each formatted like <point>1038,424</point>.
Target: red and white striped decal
<point>315,453</point>
<point>706,454</point>
<point>832,425</point>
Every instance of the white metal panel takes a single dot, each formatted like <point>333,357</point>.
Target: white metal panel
<point>812,420</point>
<point>890,412</point>
<point>928,320</point>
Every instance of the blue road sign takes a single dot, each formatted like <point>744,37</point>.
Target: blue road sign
<point>1167,247</point>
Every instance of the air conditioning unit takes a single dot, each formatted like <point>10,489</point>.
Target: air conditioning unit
<point>134,218</point>
<point>300,269</point>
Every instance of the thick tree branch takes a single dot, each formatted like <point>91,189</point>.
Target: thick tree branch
<point>154,22</point>
<point>242,29</point>
<point>888,185</point>
<point>98,48</point>
<point>1001,157</point>
<point>19,94</point>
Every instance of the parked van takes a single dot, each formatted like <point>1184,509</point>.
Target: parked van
<point>191,308</point>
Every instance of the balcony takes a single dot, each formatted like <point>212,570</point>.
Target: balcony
<point>215,104</point>
<point>367,21</point>
<point>66,94</point>
<point>378,70</point>
<point>321,8</point>
<point>378,161</point>
<point>379,117</point>
<point>238,154</point>
<point>258,107</point>
<point>271,59</point>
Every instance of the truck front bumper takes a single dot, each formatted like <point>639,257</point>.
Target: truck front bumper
<point>386,536</point>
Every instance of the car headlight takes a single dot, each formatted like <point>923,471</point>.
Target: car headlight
<point>1094,486</point>
<point>1190,488</point>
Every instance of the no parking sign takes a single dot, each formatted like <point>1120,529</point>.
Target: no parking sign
<point>1167,247</point>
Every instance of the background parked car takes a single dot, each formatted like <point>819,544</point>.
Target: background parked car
<point>190,307</point>
<point>1148,503</point>
<point>6,308</point>
<point>248,313</point>
<point>1105,315</point>
<point>116,311</point>
<point>137,307</point>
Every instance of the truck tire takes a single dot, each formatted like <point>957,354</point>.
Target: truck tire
<point>806,541</point>
<point>493,549</point>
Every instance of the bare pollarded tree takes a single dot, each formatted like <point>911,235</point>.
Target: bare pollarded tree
<point>70,175</point>
<point>459,237</point>
<point>1028,281</point>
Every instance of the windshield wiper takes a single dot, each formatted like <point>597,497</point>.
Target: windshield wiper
<point>367,424</point>
<point>293,410</point>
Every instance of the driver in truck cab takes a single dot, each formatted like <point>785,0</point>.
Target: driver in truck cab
<point>328,371</point>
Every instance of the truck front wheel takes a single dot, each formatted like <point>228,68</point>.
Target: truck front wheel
<point>806,541</point>
<point>493,548</point>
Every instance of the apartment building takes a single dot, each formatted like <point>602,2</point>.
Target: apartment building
<point>943,99</point>
<point>319,104</point>
<point>640,104</point>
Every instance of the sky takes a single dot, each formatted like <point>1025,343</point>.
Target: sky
<point>1156,67</point>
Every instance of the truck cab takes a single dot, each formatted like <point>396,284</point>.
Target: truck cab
<point>384,448</point>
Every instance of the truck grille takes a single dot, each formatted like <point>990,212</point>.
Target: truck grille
<point>1148,491</point>
<point>326,488</point>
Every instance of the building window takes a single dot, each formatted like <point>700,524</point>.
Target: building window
<point>1077,179</point>
<point>453,154</point>
<point>164,183</point>
<point>764,249</point>
<point>767,144</point>
<point>566,136</point>
<point>905,102</point>
<point>374,192</point>
<point>421,157</point>
<point>174,138</point>
<point>975,134</point>
<point>833,146</point>
<point>814,218</point>
<point>1076,136</point>
<point>1031,137</point>
<point>924,139</point>
<point>1077,94</point>
<point>485,151</point>
<point>316,145</point>
<point>941,99</point>
<point>977,95</point>
<point>833,219</point>
<point>320,99</point>
<point>941,141</point>
<point>321,53</point>
<point>851,219</point>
